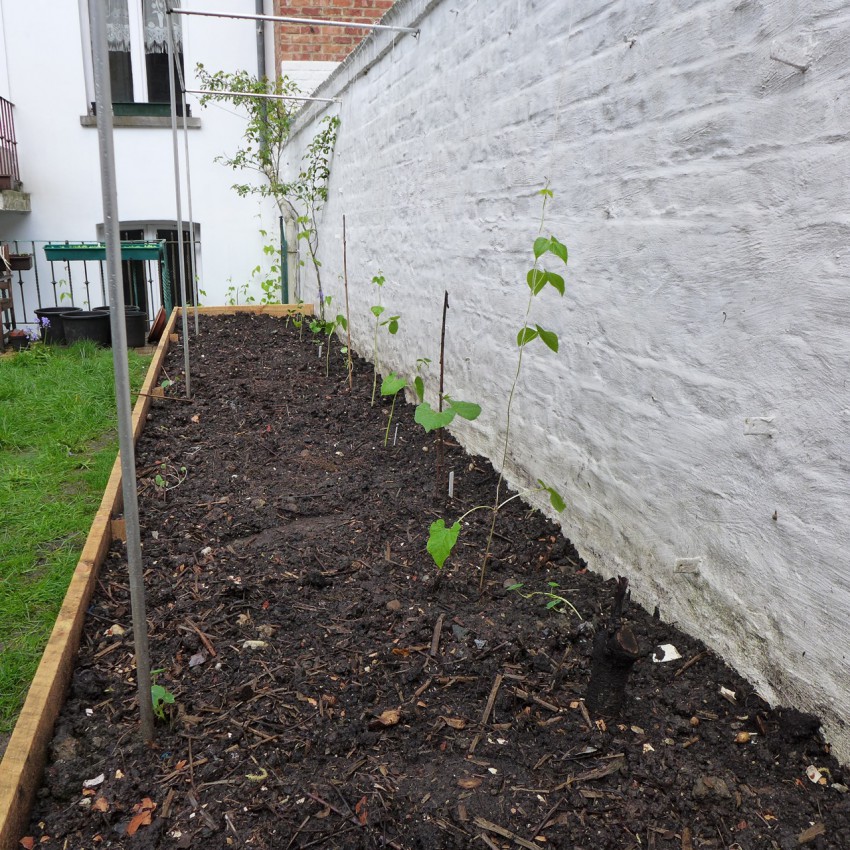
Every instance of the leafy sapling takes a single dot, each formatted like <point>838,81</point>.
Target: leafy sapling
<point>392,386</point>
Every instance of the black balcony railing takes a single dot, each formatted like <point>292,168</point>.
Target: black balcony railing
<point>40,282</point>
<point>10,177</point>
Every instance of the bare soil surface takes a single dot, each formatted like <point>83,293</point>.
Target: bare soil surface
<point>329,691</point>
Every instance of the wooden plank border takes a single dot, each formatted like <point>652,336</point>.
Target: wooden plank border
<point>23,763</point>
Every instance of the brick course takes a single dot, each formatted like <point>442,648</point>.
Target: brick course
<point>294,43</point>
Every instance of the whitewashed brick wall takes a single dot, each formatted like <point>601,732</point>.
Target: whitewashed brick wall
<point>697,417</point>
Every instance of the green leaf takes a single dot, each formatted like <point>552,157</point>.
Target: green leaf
<point>536,280</point>
<point>546,193</point>
<point>550,338</point>
<point>441,541</point>
<point>467,409</point>
<point>431,419</point>
<point>160,481</point>
<point>558,249</point>
<point>555,498</point>
<point>392,384</point>
<point>541,246</point>
<point>392,324</point>
<point>340,320</point>
<point>556,280</point>
<point>516,586</point>
<point>419,386</point>
<point>377,310</point>
<point>525,336</point>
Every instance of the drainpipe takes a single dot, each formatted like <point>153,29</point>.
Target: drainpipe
<point>261,41</point>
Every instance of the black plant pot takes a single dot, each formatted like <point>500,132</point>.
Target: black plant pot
<point>86,324</point>
<point>55,332</point>
<point>136,322</point>
<point>18,343</point>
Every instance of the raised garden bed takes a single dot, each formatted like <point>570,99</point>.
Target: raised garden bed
<point>330,692</point>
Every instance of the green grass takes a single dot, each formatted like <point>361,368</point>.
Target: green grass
<point>58,441</point>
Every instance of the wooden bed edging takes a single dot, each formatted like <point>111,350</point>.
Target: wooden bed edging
<point>23,763</point>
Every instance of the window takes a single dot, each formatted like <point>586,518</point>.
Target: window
<point>137,40</point>
<point>143,278</point>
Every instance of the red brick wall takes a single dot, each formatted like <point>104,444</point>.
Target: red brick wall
<point>297,43</point>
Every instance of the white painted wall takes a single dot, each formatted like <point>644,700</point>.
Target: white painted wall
<point>698,411</point>
<point>308,76</point>
<point>59,160</point>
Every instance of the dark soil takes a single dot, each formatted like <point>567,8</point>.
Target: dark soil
<point>381,707</point>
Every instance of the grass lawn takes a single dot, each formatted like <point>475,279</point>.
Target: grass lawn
<point>58,441</point>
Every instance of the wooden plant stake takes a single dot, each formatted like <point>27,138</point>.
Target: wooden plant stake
<point>439,438</point>
<point>615,650</point>
<point>347,314</point>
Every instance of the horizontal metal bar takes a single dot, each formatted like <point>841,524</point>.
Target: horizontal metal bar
<point>319,22</point>
<point>252,94</point>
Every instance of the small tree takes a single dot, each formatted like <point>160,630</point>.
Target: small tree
<point>266,135</point>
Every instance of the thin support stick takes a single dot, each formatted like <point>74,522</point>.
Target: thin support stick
<point>347,314</point>
<point>451,484</point>
<point>439,439</point>
<point>318,22</point>
<point>180,267</point>
<point>103,98</point>
<point>192,266</point>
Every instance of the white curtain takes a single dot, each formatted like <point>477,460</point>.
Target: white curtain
<point>118,26</point>
<point>156,21</point>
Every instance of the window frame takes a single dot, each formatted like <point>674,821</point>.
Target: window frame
<point>137,55</point>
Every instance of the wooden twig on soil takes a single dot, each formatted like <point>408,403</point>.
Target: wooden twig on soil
<point>690,662</point>
<point>352,819</point>
<point>435,639</point>
<point>204,639</point>
<point>163,397</point>
<point>492,698</point>
<point>505,833</point>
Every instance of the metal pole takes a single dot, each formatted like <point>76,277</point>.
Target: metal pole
<point>265,96</point>
<point>192,270</point>
<point>180,269</point>
<point>103,98</point>
<point>319,22</point>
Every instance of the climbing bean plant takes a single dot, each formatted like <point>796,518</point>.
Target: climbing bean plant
<point>442,538</point>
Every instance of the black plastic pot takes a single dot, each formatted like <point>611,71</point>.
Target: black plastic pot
<point>55,332</point>
<point>18,342</point>
<point>86,324</point>
<point>136,322</point>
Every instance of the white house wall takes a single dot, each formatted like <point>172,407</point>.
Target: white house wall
<point>697,416</point>
<point>59,159</point>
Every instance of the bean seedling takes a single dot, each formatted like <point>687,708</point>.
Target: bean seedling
<point>556,601</point>
<point>390,323</point>
<point>160,695</point>
<point>441,539</point>
<point>391,386</point>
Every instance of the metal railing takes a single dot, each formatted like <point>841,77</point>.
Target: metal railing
<point>10,177</point>
<point>81,283</point>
